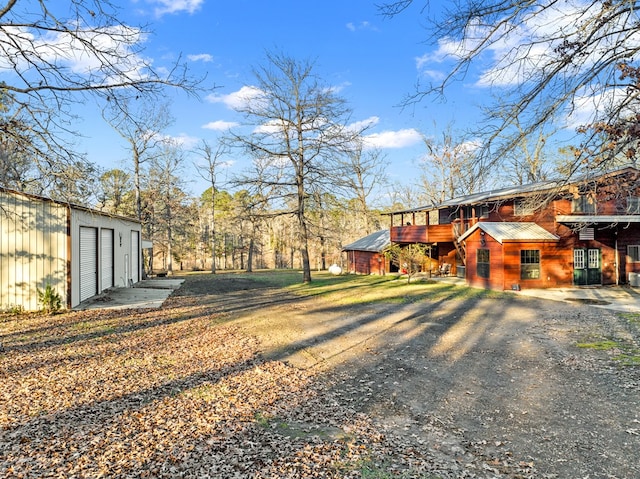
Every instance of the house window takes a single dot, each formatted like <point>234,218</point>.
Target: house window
<point>633,205</point>
<point>524,207</point>
<point>482,263</point>
<point>583,204</point>
<point>530,264</point>
<point>482,211</point>
<point>633,251</point>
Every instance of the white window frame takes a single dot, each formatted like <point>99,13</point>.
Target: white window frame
<point>585,204</point>
<point>633,205</point>
<point>528,268</point>
<point>633,252</point>
<point>523,207</point>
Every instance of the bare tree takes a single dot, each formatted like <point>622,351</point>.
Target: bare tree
<point>550,61</point>
<point>528,164</point>
<point>115,193</point>
<point>410,259</point>
<point>169,198</point>
<point>404,196</point>
<point>209,171</point>
<point>26,166</point>
<point>449,168</point>
<point>140,124</point>
<point>56,54</point>
<point>299,132</point>
<point>366,174</point>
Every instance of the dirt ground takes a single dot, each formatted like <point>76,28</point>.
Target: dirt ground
<point>479,386</point>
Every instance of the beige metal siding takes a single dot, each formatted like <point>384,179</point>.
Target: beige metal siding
<point>122,250</point>
<point>135,256</point>
<point>33,249</point>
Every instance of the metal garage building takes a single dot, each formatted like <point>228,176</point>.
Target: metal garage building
<point>80,252</point>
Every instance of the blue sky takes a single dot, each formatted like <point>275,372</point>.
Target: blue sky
<point>375,62</point>
<point>372,59</point>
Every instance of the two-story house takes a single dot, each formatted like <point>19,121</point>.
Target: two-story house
<point>547,234</point>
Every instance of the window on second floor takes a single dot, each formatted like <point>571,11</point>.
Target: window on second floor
<point>482,211</point>
<point>633,205</point>
<point>585,204</point>
<point>524,207</point>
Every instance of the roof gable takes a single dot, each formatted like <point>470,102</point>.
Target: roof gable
<point>514,231</point>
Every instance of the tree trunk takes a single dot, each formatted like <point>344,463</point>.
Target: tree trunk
<point>250,256</point>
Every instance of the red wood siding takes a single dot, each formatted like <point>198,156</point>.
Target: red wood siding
<point>366,262</point>
<point>556,268</point>
<point>495,279</point>
<point>409,234</point>
<point>422,234</point>
<point>626,237</point>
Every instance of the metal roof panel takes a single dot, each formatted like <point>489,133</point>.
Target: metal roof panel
<point>374,242</point>
<point>518,231</point>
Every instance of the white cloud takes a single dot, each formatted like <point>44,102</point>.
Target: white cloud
<point>516,54</point>
<point>591,108</point>
<point>435,75</point>
<point>364,124</point>
<point>176,6</point>
<point>200,57</point>
<point>116,44</point>
<point>182,139</point>
<point>239,99</point>
<point>220,125</point>
<point>363,25</point>
<point>393,139</point>
<point>272,127</point>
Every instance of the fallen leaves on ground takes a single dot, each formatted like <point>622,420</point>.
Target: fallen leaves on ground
<point>175,392</point>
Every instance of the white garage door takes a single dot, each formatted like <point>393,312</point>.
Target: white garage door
<point>88,262</point>
<point>106,258</point>
<point>135,256</point>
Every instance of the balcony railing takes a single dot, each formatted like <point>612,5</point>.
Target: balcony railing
<point>422,234</point>
<point>446,233</point>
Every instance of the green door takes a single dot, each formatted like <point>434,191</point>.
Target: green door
<point>587,267</point>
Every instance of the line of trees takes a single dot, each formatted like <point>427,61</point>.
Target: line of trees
<point>312,178</point>
<point>244,237</point>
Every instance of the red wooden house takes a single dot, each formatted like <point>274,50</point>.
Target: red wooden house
<point>547,234</point>
<point>364,256</point>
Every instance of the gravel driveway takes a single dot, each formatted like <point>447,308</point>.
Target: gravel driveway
<point>501,386</point>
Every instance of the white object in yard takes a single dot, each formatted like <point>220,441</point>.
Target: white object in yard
<point>335,269</point>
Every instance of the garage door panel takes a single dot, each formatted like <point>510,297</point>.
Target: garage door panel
<point>88,262</point>
<point>106,258</point>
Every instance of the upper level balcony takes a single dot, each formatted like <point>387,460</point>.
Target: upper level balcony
<point>446,233</point>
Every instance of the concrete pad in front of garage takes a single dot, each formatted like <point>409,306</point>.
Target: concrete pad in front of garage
<point>149,293</point>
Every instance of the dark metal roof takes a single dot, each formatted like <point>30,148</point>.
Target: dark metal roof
<point>375,242</point>
<point>510,192</point>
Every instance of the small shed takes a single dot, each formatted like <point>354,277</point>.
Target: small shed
<point>364,256</point>
<point>78,251</point>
